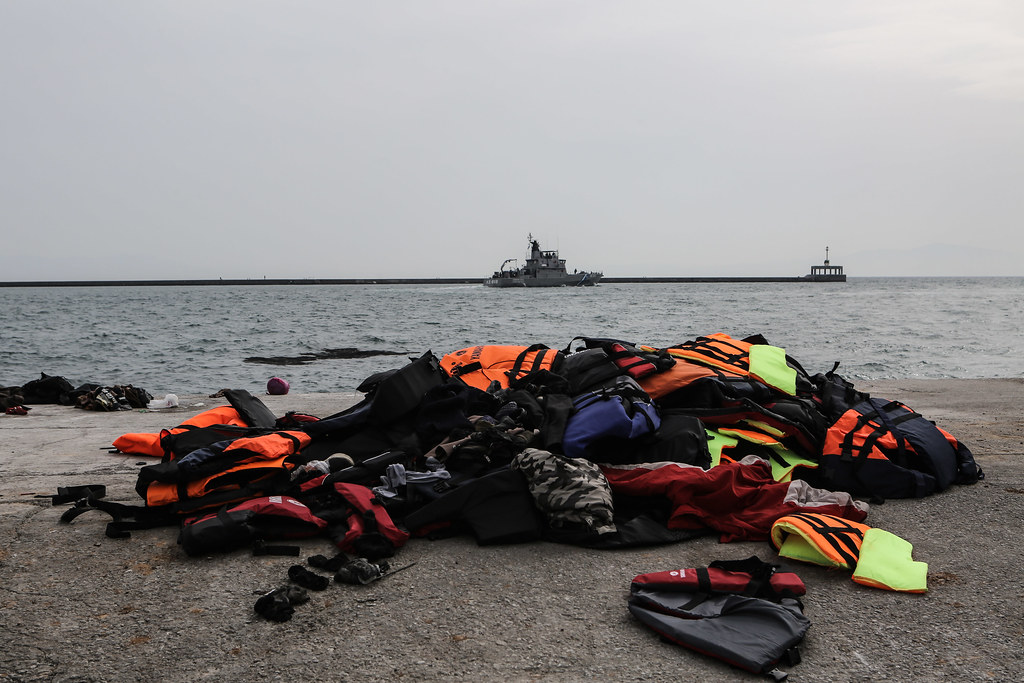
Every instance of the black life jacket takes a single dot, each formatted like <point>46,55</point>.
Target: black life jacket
<point>679,438</point>
<point>742,612</point>
<point>602,360</point>
<point>497,508</point>
<point>883,448</point>
<point>796,421</point>
<point>385,419</point>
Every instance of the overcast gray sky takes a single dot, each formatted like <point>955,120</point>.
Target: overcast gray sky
<point>322,138</point>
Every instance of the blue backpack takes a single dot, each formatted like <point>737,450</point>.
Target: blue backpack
<point>620,411</point>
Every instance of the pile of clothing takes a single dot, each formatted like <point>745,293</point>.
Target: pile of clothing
<point>602,444</point>
<point>53,389</point>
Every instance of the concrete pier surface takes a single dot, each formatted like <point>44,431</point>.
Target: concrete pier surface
<point>78,606</point>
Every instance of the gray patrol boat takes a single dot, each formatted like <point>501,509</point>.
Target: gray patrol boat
<point>542,269</point>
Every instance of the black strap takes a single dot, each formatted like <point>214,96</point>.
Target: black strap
<point>296,444</point>
<point>760,573</point>
<point>517,366</point>
<point>460,370</point>
<point>637,405</point>
<point>538,360</point>
<point>70,494</point>
<point>703,580</point>
<point>125,517</point>
<point>846,447</point>
<point>710,348</point>
<point>838,534</point>
<point>901,440</point>
<point>262,548</point>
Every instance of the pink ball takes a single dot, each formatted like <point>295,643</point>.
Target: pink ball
<point>277,386</point>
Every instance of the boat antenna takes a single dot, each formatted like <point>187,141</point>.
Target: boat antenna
<point>826,256</point>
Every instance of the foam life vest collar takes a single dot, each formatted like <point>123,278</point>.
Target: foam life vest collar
<point>745,577</point>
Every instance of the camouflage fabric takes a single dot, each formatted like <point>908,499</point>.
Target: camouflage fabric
<point>569,491</point>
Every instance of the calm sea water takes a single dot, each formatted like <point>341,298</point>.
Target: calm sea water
<point>196,339</point>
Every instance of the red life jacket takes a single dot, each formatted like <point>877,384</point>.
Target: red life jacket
<point>265,518</point>
<point>742,612</point>
<point>368,530</point>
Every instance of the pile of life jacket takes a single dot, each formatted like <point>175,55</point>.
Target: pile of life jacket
<point>603,443</point>
<point>449,444</point>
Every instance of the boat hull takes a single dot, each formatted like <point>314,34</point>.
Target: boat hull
<point>573,280</point>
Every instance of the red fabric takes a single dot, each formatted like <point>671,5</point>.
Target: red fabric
<point>739,500</point>
<point>720,580</point>
<point>362,499</point>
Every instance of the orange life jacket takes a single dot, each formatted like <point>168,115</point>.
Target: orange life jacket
<point>837,540</point>
<point>478,366</point>
<point>149,444</point>
<point>678,376</point>
<point>245,468</point>
<point>883,448</point>
<point>722,352</point>
<point>717,350</point>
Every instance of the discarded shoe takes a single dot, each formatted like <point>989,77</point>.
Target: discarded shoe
<point>308,579</point>
<point>331,564</point>
<point>361,571</point>
<point>279,604</point>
